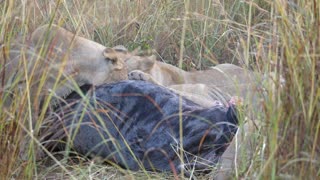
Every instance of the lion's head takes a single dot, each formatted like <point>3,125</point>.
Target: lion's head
<point>133,60</point>
<point>79,59</point>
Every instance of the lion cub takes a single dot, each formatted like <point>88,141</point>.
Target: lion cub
<point>53,61</point>
<point>82,59</point>
<point>56,60</point>
<point>218,83</point>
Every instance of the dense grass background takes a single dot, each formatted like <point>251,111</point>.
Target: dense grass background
<point>281,37</point>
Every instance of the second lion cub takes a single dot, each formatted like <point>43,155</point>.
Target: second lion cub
<point>224,80</point>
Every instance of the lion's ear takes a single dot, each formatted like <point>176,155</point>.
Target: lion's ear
<point>108,51</point>
<point>148,63</point>
<point>152,57</point>
<point>120,48</point>
<point>110,55</point>
<point>136,51</point>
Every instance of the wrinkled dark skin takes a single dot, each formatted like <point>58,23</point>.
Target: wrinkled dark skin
<point>144,117</point>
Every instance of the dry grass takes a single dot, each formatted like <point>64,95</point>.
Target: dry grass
<point>263,35</point>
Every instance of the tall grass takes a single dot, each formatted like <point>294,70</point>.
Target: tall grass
<point>279,37</point>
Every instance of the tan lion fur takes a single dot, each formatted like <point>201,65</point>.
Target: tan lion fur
<point>56,60</point>
<point>218,82</point>
<point>84,59</point>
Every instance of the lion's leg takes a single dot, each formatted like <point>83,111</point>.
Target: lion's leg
<point>239,153</point>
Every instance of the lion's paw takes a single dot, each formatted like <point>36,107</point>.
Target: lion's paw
<point>138,75</point>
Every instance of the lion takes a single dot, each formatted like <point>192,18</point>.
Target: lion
<point>57,60</point>
<point>84,59</point>
<point>217,83</point>
<point>53,62</point>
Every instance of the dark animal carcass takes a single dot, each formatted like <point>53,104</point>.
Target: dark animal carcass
<point>136,125</point>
